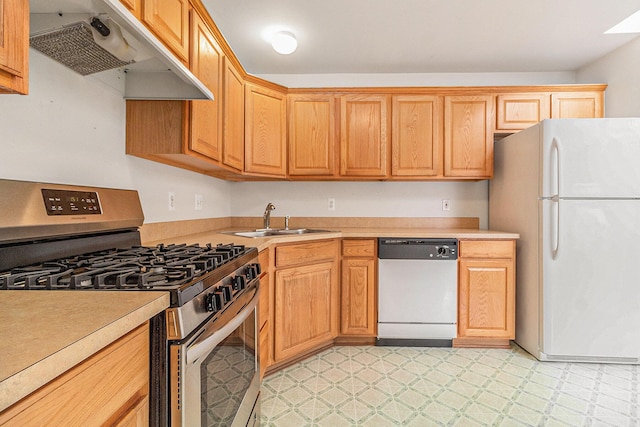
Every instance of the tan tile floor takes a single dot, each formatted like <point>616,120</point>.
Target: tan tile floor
<point>404,386</point>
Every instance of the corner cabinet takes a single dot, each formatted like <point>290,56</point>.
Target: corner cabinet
<point>233,117</point>
<point>358,291</point>
<point>109,388</point>
<point>577,105</point>
<point>364,140</point>
<point>14,46</point>
<point>468,136</point>
<point>265,131</point>
<point>486,293</point>
<point>305,298</point>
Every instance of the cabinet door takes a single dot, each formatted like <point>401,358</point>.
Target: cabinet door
<point>233,126</point>
<point>206,65</point>
<point>305,309</point>
<point>311,135</point>
<point>265,131</point>
<point>134,6</point>
<point>169,21</point>
<point>357,297</point>
<point>468,136</point>
<point>14,46</point>
<point>416,144</point>
<point>517,111</point>
<point>486,298</point>
<point>577,105</point>
<point>363,135</point>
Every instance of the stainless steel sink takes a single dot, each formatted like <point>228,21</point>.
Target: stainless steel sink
<point>271,232</point>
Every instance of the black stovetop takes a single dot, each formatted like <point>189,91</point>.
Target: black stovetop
<point>162,267</point>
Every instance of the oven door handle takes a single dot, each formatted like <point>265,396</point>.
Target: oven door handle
<point>211,337</point>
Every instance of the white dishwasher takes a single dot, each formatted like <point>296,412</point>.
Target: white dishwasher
<point>417,291</point>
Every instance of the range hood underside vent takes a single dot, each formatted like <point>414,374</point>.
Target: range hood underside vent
<point>74,47</point>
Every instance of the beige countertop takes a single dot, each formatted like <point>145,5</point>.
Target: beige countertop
<point>45,333</point>
<point>221,236</point>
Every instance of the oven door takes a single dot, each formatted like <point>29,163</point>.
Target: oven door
<point>214,375</point>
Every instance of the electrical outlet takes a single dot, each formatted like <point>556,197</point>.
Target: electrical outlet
<point>331,205</point>
<point>172,201</point>
<point>199,202</point>
<point>446,204</point>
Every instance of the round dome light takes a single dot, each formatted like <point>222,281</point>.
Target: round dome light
<point>284,42</point>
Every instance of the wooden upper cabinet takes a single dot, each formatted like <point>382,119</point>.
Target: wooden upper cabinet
<point>169,21</point>
<point>468,136</point>
<point>416,142</point>
<point>134,6</point>
<point>265,131</point>
<point>233,117</point>
<point>517,111</point>
<point>206,64</point>
<point>312,135</point>
<point>577,105</point>
<point>14,46</point>
<point>363,135</point>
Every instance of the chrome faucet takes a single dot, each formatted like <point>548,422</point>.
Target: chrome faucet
<point>267,215</point>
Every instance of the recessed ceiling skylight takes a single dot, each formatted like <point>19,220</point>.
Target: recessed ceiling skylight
<point>628,25</point>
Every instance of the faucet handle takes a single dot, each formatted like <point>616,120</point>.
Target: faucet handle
<point>286,222</point>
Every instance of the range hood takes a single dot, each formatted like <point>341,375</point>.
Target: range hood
<point>62,28</point>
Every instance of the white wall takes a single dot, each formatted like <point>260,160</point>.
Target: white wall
<point>417,79</point>
<point>71,129</point>
<point>620,69</point>
<point>363,199</point>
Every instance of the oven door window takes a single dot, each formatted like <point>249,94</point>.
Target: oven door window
<point>226,376</point>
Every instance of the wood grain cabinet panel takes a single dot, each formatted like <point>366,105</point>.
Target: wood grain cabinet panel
<point>520,110</point>
<point>265,131</point>
<point>134,6</point>
<point>305,310</point>
<point>416,143</point>
<point>577,105</point>
<point>468,136</point>
<point>169,21</point>
<point>206,64</point>
<point>363,135</point>
<point>312,132</point>
<point>486,293</point>
<point>14,46</point>
<point>358,288</point>
<point>109,388</point>
<point>233,117</point>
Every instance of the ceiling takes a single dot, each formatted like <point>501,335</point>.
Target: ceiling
<point>422,36</point>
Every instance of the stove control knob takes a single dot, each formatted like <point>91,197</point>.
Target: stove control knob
<point>239,283</point>
<point>253,271</point>
<point>214,302</point>
<point>227,291</point>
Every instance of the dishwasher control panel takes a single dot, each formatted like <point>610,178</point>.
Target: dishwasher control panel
<point>417,248</point>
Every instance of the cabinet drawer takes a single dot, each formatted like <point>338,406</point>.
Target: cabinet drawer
<point>359,248</point>
<point>487,248</point>
<point>263,259</point>
<point>303,253</point>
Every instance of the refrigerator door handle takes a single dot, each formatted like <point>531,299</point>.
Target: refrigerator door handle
<point>555,148</point>
<point>555,227</point>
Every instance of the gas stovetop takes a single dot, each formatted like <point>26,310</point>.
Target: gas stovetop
<point>162,267</point>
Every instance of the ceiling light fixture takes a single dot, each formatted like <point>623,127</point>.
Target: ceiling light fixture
<point>284,42</point>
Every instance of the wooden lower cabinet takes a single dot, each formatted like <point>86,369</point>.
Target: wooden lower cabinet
<point>486,293</point>
<point>305,298</point>
<point>109,388</point>
<point>358,296</point>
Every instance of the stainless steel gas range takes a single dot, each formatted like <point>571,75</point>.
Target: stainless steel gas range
<point>204,347</point>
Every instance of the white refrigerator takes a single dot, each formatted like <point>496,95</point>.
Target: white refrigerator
<point>571,188</point>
